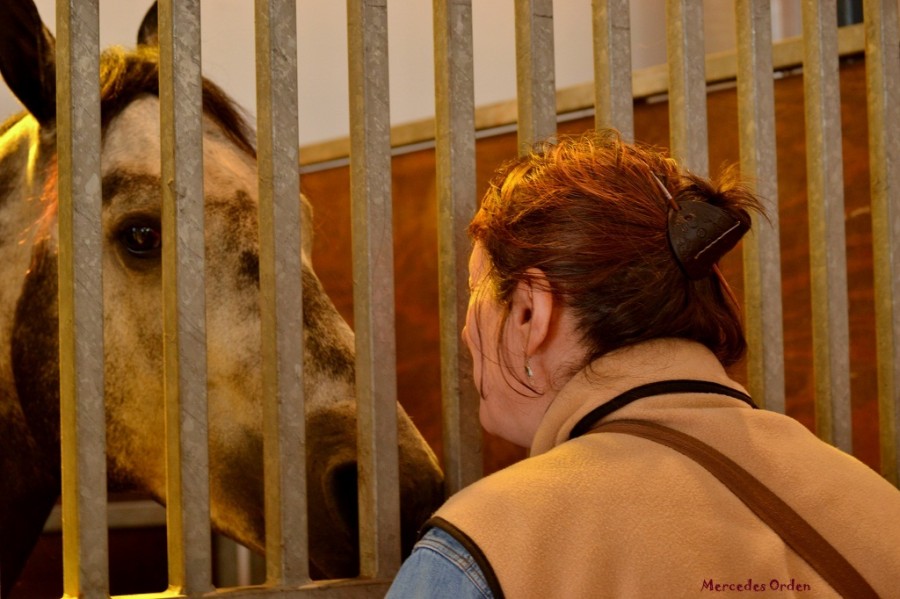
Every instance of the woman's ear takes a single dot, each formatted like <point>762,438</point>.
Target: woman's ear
<point>531,310</point>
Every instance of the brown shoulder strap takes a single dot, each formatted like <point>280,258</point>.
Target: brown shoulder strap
<point>797,533</point>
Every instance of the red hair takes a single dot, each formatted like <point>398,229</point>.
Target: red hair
<point>588,212</point>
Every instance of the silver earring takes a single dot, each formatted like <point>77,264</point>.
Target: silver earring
<point>528,371</point>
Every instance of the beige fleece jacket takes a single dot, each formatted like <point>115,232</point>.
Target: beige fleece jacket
<point>612,515</point>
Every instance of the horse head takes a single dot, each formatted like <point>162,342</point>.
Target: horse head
<point>29,375</point>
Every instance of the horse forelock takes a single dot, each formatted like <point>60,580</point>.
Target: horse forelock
<point>128,74</point>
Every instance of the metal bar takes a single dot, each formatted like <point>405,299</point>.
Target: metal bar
<point>373,289</point>
<point>762,248</point>
<point>535,72</point>
<point>184,300</point>
<point>613,100</point>
<point>456,196</point>
<point>828,259</point>
<point>137,513</point>
<point>82,415</point>
<point>281,293</point>
<point>883,83</point>
<point>687,85</point>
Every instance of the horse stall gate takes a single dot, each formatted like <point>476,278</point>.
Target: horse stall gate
<point>456,131</point>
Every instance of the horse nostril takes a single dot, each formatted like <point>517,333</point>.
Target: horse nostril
<point>344,491</point>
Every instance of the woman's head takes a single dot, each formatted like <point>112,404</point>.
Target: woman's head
<point>591,215</point>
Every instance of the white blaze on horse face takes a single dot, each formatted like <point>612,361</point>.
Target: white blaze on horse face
<point>132,290</point>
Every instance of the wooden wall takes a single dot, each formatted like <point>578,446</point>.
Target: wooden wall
<point>416,251</point>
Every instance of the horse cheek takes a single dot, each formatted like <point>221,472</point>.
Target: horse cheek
<point>133,382</point>
<point>29,464</point>
<point>35,352</point>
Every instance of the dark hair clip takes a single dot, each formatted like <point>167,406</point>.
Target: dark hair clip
<point>700,234</point>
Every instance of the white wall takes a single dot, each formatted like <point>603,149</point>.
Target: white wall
<point>322,47</point>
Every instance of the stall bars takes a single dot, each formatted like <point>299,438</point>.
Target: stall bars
<point>84,476</point>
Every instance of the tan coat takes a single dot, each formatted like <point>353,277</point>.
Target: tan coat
<point>612,515</point>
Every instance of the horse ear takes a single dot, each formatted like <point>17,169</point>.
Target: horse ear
<point>28,58</point>
<point>148,34</point>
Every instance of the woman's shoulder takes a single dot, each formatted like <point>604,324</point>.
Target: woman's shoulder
<point>543,478</point>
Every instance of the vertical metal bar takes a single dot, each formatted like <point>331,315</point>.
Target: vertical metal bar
<point>82,417</point>
<point>535,72</point>
<point>281,293</point>
<point>762,248</point>
<point>373,289</point>
<point>828,259</point>
<point>613,99</point>
<point>687,85</point>
<point>455,151</point>
<point>883,83</point>
<point>184,301</point>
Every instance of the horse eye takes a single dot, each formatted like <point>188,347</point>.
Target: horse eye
<point>141,240</point>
